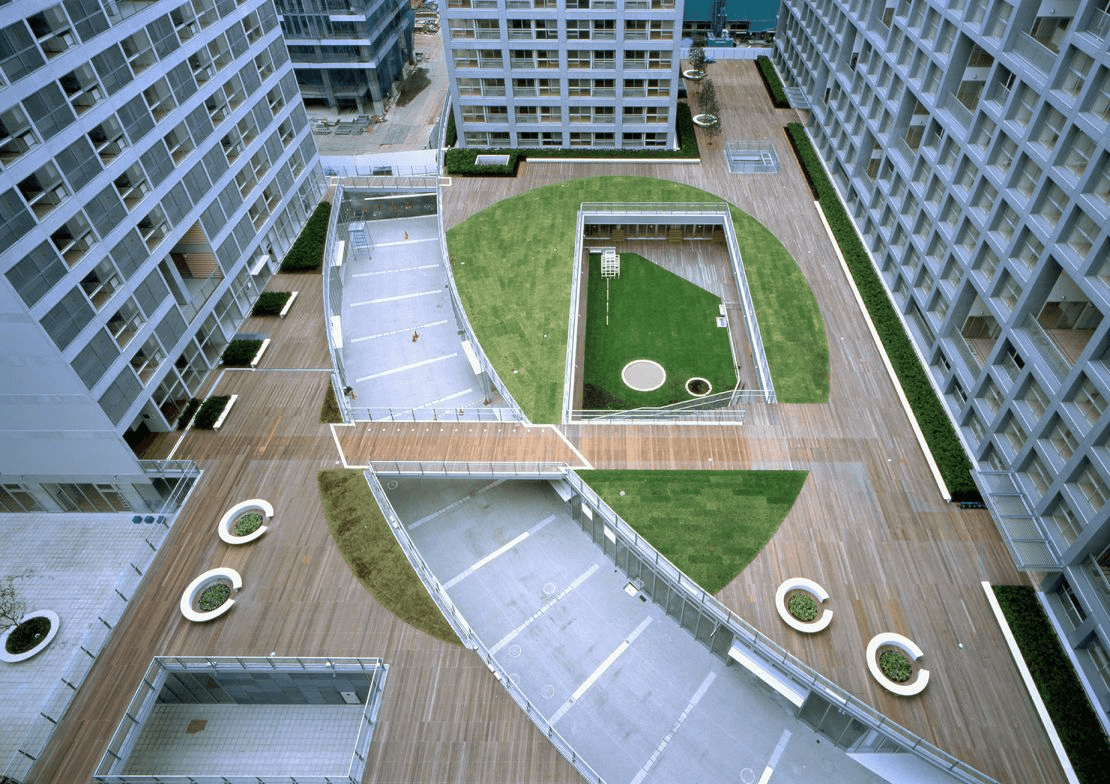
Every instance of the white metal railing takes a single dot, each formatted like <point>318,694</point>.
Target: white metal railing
<point>382,414</point>
<point>521,468</point>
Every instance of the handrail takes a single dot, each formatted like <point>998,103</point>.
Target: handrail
<point>519,468</point>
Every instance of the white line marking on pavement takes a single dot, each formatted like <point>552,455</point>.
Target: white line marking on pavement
<point>771,763</point>
<point>395,271</point>
<point>535,616</point>
<point>403,368</point>
<point>655,755</point>
<point>444,399</point>
<point>498,552</point>
<point>405,242</point>
<point>406,330</point>
<point>601,668</point>
<point>395,299</point>
<point>455,505</point>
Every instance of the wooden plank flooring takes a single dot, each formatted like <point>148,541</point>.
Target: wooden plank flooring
<point>869,525</point>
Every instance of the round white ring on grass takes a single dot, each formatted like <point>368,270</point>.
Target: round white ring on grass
<point>643,375</point>
<point>691,381</point>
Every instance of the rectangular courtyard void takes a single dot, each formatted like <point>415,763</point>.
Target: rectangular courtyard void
<point>201,719</point>
<point>697,243</point>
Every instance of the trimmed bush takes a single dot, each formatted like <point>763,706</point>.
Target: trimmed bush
<point>895,665</point>
<point>210,411</point>
<point>187,413</point>
<point>461,162</point>
<point>212,597</point>
<point>248,524</point>
<point>1072,715</point>
<point>802,606</point>
<point>240,352</point>
<point>452,133</point>
<point>935,425</point>
<point>329,409</point>
<point>307,253</point>
<point>772,82</point>
<point>270,303</point>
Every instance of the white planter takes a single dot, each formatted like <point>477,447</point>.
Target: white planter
<point>227,533</point>
<point>705,120</point>
<point>197,587</point>
<point>693,74</point>
<point>917,684</point>
<point>819,594</point>
<point>708,386</point>
<point>12,658</point>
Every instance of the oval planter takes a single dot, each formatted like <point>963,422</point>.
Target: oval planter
<point>705,120</point>
<point>213,576</point>
<point>227,522</point>
<point>919,678</point>
<point>693,74</point>
<point>819,594</point>
<point>55,624</point>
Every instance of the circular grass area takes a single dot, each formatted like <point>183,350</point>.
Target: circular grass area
<point>513,265</point>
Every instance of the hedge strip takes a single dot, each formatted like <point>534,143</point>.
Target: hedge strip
<point>1075,721</point>
<point>307,253</point>
<point>954,465</point>
<point>210,411</point>
<point>772,82</point>
<point>461,161</point>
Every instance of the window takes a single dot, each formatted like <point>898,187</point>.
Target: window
<point>1064,519</point>
<point>1098,97</point>
<point>1061,439</point>
<point>1026,176</point>
<point>1088,401</point>
<point>1008,291</point>
<point>1074,73</point>
<point>16,135</point>
<point>100,284</point>
<point>1091,486</point>
<point>1013,433</point>
<point>1049,31</point>
<point>1028,249</point>
<point>1038,475</point>
<point>132,186</point>
<point>1049,129</point>
<point>1024,105</point>
<point>81,88</point>
<point>1035,399</point>
<point>1100,661</point>
<point>1077,153</point>
<point>44,190</point>
<point>73,239</point>
<point>18,498</point>
<point>1081,235</point>
<point>1052,203</point>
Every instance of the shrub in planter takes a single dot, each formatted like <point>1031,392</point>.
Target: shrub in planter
<point>213,596</point>
<point>247,524</point>
<point>935,425</point>
<point>772,82</point>
<point>210,411</point>
<point>895,665</point>
<point>270,303</point>
<point>802,606</point>
<point>187,413</point>
<point>27,635</point>
<point>307,253</point>
<point>1087,746</point>
<point>462,162</point>
<point>240,352</point>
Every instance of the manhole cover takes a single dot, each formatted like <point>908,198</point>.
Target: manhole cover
<point>548,691</point>
<point>548,589</point>
<point>514,651</point>
<point>747,775</point>
<point>391,484</point>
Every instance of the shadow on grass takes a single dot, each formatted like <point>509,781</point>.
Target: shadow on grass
<point>370,549</point>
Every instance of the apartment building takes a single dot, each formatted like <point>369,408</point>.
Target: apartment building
<point>564,73</point>
<point>155,165</point>
<point>348,54</point>
<point>970,143</point>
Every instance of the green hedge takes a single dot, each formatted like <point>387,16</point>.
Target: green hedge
<point>452,134</point>
<point>307,253</point>
<point>772,82</point>
<point>240,352</point>
<point>210,411</point>
<point>187,413</point>
<point>270,303</point>
<point>939,434</point>
<point>1072,715</point>
<point>461,162</point>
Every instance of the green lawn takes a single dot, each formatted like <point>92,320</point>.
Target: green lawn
<point>363,536</point>
<point>652,314</point>
<point>512,263</point>
<point>710,524</point>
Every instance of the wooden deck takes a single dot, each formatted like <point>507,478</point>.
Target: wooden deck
<point>869,525</point>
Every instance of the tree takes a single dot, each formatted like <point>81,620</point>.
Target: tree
<point>707,99</point>
<point>11,609</point>
<point>697,58</point>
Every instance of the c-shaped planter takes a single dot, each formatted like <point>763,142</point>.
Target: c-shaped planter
<point>196,588</point>
<point>821,622</point>
<point>912,651</point>
<point>228,536</point>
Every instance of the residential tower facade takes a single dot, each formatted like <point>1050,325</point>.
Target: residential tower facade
<point>564,73</point>
<point>969,142</point>
<point>155,165</point>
